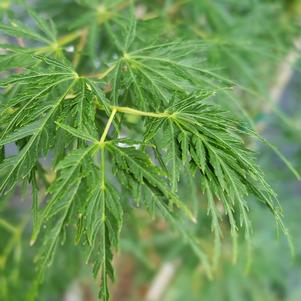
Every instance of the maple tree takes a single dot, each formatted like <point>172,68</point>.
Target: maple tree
<point>123,117</point>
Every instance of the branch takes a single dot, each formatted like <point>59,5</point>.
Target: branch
<point>169,269</point>
<point>108,125</point>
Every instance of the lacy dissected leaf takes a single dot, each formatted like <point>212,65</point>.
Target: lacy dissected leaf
<point>18,29</point>
<point>17,167</point>
<point>42,32</point>
<point>158,71</point>
<point>206,138</point>
<point>101,220</point>
<point>135,169</point>
<point>103,224</point>
<point>63,194</point>
<point>127,134</point>
<point>14,56</point>
<point>108,18</point>
<point>28,116</point>
<point>148,186</point>
<point>81,113</point>
<point>81,192</point>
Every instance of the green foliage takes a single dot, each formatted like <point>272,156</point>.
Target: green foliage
<point>122,137</point>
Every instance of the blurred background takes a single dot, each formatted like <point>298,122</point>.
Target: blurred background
<point>256,44</point>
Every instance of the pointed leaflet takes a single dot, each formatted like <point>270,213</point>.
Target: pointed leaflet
<point>135,166</point>
<point>19,166</point>
<point>14,56</point>
<point>17,29</point>
<point>47,27</point>
<point>28,116</point>
<point>165,69</point>
<point>25,131</point>
<point>131,31</point>
<point>29,102</point>
<point>173,158</point>
<point>77,133</point>
<point>70,173</point>
<point>86,111</point>
<point>215,226</point>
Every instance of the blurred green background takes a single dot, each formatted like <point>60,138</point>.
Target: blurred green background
<point>253,43</point>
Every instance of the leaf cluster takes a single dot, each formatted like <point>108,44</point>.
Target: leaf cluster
<point>121,137</point>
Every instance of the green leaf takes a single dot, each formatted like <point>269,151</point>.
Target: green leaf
<point>138,166</point>
<point>47,28</point>
<point>103,224</point>
<point>20,165</point>
<point>63,194</point>
<point>209,139</point>
<point>76,133</point>
<point>27,130</point>
<point>17,29</point>
<point>136,125</point>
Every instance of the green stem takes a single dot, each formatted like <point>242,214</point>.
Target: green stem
<point>62,41</point>
<point>81,45</point>
<point>108,125</point>
<point>131,111</point>
<point>101,75</point>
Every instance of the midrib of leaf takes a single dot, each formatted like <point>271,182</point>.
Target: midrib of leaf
<point>174,158</point>
<point>136,85</point>
<point>152,47</point>
<point>20,79</point>
<point>103,220</point>
<point>80,107</point>
<point>77,133</point>
<point>114,92</point>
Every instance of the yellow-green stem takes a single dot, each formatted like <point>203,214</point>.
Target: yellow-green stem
<point>102,74</point>
<point>131,111</point>
<point>108,125</point>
